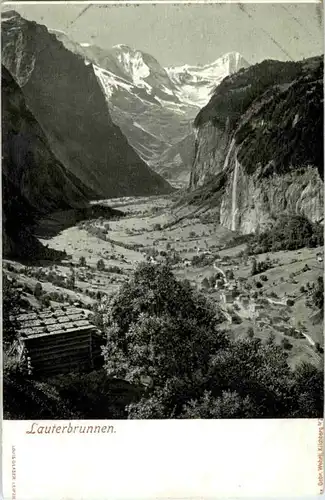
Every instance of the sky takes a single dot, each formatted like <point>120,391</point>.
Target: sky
<point>191,34</point>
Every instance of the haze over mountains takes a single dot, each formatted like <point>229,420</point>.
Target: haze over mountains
<point>155,106</point>
<point>65,97</point>
<point>114,122</point>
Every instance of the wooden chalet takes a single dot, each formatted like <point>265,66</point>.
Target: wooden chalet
<point>58,341</point>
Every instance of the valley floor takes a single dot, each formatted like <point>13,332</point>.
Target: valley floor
<point>102,253</point>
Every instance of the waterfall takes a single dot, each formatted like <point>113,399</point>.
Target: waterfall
<point>234,196</point>
<point>231,147</point>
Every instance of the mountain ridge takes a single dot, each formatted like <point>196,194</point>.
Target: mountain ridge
<point>262,134</point>
<point>34,181</point>
<point>65,97</point>
<point>151,109</point>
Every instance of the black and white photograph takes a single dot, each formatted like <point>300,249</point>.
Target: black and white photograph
<point>162,211</point>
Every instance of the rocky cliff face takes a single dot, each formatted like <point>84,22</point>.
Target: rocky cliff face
<point>251,203</point>
<point>64,95</point>
<point>33,180</point>
<point>27,160</point>
<point>263,130</point>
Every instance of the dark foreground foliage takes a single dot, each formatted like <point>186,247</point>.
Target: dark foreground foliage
<point>71,396</point>
<point>165,337</point>
<point>167,357</point>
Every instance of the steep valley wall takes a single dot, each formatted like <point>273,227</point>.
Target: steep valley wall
<point>270,153</point>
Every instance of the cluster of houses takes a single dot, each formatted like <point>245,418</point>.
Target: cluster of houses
<point>230,292</point>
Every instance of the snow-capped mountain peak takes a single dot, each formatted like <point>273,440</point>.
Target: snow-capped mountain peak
<point>133,63</point>
<point>195,83</point>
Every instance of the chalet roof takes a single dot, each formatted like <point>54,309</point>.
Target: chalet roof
<point>49,322</point>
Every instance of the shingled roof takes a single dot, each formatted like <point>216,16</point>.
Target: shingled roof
<point>49,322</point>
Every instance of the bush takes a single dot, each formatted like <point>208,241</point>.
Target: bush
<point>38,289</point>
<point>318,347</point>
<point>165,339</point>
<point>260,267</point>
<point>10,308</point>
<point>202,260</point>
<point>114,269</point>
<point>229,274</point>
<point>318,294</point>
<point>82,261</point>
<point>45,300</point>
<point>289,232</point>
<point>286,344</point>
<point>228,405</point>
<point>101,265</point>
<point>250,332</point>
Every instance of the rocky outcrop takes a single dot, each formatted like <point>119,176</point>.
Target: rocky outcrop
<point>251,203</point>
<point>64,95</point>
<point>34,181</point>
<point>27,160</point>
<point>263,130</point>
<point>211,145</point>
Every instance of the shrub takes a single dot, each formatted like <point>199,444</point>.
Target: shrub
<point>318,347</point>
<point>115,269</point>
<point>38,289</point>
<point>286,344</point>
<point>228,405</point>
<point>101,265</point>
<point>250,332</point>
<point>202,260</point>
<point>10,307</point>
<point>45,300</point>
<point>82,261</point>
<point>318,293</point>
<point>229,274</point>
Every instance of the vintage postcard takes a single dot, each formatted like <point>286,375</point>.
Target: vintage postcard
<point>162,250</point>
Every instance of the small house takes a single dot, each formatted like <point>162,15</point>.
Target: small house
<point>59,341</point>
<point>205,283</point>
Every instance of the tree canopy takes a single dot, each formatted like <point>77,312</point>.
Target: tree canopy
<point>166,338</point>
